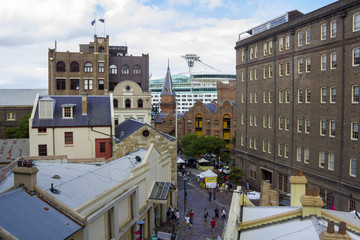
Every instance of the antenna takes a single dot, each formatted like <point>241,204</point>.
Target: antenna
<point>53,190</point>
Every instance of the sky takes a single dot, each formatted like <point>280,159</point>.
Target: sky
<point>164,29</point>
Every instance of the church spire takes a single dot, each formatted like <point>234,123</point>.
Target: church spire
<point>168,87</point>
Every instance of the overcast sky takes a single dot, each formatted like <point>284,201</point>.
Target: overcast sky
<point>164,29</point>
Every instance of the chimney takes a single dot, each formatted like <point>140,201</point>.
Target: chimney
<point>311,204</point>
<point>297,188</point>
<point>25,174</point>
<point>84,103</point>
<point>330,233</point>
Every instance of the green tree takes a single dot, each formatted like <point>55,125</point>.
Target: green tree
<point>21,131</point>
<point>236,175</point>
<point>226,158</point>
<point>187,142</point>
<point>193,145</point>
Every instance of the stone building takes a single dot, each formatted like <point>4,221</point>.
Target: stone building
<point>97,68</point>
<point>298,101</point>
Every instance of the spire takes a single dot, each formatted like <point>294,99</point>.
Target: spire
<point>168,87</point>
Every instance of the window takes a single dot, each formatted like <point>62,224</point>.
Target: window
<point>307,95</point>
<point>282,182</point>
<point>323,95</point>
<point>308,36</point>
<point>287,124</point>
<point>251,97</point>
<point>125,70</point>
<point>242,119</point>
<point>270,97</point>
<point>255,97</point>
<point>281,69</point>
<point>270,121</point>
<point>88,84</point>
<point>356,56</point>
<point>270,47</point>
<point>264,121</point>
<point>306,155</point>
<point>300,66</point>
<point>299,154</point>
<point>355,94</point>
<point>256,51</point>
<point>281,44</point>
<point>323,62</point>
<point>67,112</point>
<point>300,125</point>
<point>252,171</point>
<point>354,131</point>
<point>323,31</point>
<point>265,72</point>
<point>281,123</point>
<point>242,76</point>
<point>68,137</point>
<point>281,96</point>
<point>322,127</point>
<point>116,103</point>
<point>60,67</point>
<point>11,116</point>
<point>333,60</point>
<point>42,130</point>
<point>128,105</point>
<point>74,67</point>
<point>137,70</point>
<point>356,22</point>
<point>331,163</point>
<point>101,84</point>
<point>60,84</point>
<point>300,39</point>
<point>140,103</point>
<point>250,142</point>
<point>88,67</point>
<point>264,97</point>
<point>74,84</point>
<point>332,126</point>
<point>265,49</point>
<point>287,68</point>
<point>300,95</point>
<point>280,150</point>
<point>242,140</point>
<point>352,205</point>
<point>269,147</point>
<point>255,143</point>
<point>264,146</point>
<point>251,53</point>
<point>251,120</point>
<point>42,148</point>
<point>333,29</point>
<point>322,159</point>
<point>255,74</point>
<point>307,125</point>
<point>353,167</point>
<point>287,42</point>
<point>287,99</point>
<point>242,55</point>
<point>270,71</point>
<point>113,69</point>
<point>308,65</point>
<point>242,97</point>
<point>101,67</point>
<point>251,74</point>
<point>286,150</point>
<point>333,95</point>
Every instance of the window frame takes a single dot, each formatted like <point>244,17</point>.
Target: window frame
<point>11,116</point>
<point>332,95</point>
<point>353,161</point>
<point>88,67</point>
<point>265,49</point>
<point>308,65</point>
<point>354,131</point>
<point>333,60</point>
<point>300,65</point>
<point>68,138</point>
<point>332,128</point>
<point>281,44</point>
<point>322,159</point>
<point>323,33</point>
<point>74,84</point>
<point>307,126</point>
<point>42,149</point>
<point>300,38</point>
<point>88,84</point>
<point>355,61</point>
<point>308,36</point>
<point>331,161</point>
<point>323,94</point>
<point>307,95</point>
<point>323,127</point>
<point>356,22</point>
<point>300,125</point>
<point>287,42</point>
<point>355,98</point>
<point>333,29</point>
<point>300,95</point>
<point>60,84</point>
<point>323,62</point>
<point>306,155</point>
<point>299,154</point>
<point>101,86</point>
<point>101,67</point>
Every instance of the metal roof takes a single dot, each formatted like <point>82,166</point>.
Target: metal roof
<point>19,97</point>
<point>13,148</point>
<point>98,112</point>
<point>211,107</point>
<point>168,87</point>
<point>27,216</point>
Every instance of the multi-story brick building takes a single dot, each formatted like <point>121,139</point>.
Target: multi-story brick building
<point>298,101</point>
<point>96,69</point>
<point>226,91</point>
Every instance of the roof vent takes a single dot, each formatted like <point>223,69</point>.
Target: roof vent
<point>53,190</point>
<point>138,159</point>
<point>56,177</point>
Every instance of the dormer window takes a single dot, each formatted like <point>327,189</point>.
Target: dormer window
<point>67,110</point>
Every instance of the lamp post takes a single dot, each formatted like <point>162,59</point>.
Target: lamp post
<point>140,223</point>
<point>185,194</point>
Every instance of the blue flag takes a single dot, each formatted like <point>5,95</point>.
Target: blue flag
<point>93,22</point>
<point>102,20</point>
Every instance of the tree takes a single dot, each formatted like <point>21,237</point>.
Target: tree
<point>226,158</point>
<point>186,144</point>
<point>194,145</point>
<point>235,175</point>
<point>21,131</point>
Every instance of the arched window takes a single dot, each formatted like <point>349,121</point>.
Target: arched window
<point>116,103</point>
<point>74,67</point>
<point>88,67</point>
<point>101,49</point>
<point>140,103</point>
<point>226,130</point>
<point>60,67</point>
<point>125,70</point>
<point>113,69</point>
<point>127,103</point>
<point>137,70</point>
<point>198,124</point>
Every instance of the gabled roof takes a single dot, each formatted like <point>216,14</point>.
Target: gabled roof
<point>19,97</point>
<point>27,216</point>
<point>159,117</point>
<point>127,127</point>
<point>211,107</point>
<point>168,88</point>
<point>98,112</point>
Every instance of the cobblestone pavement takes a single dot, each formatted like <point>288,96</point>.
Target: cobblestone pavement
<point>197,200</point>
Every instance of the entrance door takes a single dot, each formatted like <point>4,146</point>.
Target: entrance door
<point>103,148</point>
<point>266,175</point>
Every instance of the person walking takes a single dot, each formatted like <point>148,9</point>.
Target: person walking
<point>216,212</point>
<point>209,193</point>
<point>226,187</point>
<point>223,214</point>
<point>187,222</point>
<point>191,217</point>
<point>206,214</point>
<point>213,224</point>
<point>177,215</point>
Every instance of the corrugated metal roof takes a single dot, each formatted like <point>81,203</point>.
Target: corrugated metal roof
<point>13,148</point>
<point>19,97</point>
<point>26,216</point>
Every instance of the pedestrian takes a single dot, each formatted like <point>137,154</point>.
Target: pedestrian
<point>206,214</point>
<point>247,186</point>
<point>187,221</point>
<point>216,212</point>
<point>169,214</point>
<point>191,217</point>
<point>226,187</point>
<point>209,193</point>
<point>213,224</point>
<point>223,213</point>
<point>177,215</point>
<point>173,217</point>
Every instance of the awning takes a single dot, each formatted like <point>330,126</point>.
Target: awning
<point>203,161</point>
<point>180,160</point>
<point>160,192</point>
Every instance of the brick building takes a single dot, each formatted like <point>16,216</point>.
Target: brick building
<point>298,101</point>
<point>97,68</point>
<point>226,91</point>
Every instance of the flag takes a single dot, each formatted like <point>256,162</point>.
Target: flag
<point>102,20</point>
<point>93,22</point>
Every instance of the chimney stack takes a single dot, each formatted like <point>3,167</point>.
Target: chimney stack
<point>297,188</point>
<point>84,103</point>
<point>25,174</point>
<point>330,233</point>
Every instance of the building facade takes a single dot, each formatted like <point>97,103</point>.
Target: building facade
<point>298,101</point>
<point>96,69</point>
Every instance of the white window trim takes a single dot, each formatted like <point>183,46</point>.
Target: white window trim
<point>352,94</point>
<point>329,158</point>
<point>331,60</point>
<point>321,125</point>
<point>322,67</point>
<point>354,15</point>
<point>352,129</point>
<point>353,57</point>
<point>350,166</point>
<point>321,154</point>
<point>322,27</point>
<point>332,29</point>
<point>331,94</point>
<point>330,128</point>
<point>306,65</point>
<point>306,160</point>
<point>321,95</point>
<point>298,157</point>
<point>306,36</point>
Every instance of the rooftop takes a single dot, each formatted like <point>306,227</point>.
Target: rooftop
<point>19,97</point>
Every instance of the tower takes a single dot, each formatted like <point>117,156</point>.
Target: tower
<point>168,95</point>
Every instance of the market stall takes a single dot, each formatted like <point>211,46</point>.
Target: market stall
<point>208,179</point>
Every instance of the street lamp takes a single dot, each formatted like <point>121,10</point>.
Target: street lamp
<point>140,223</point>
<point>185,194</point>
